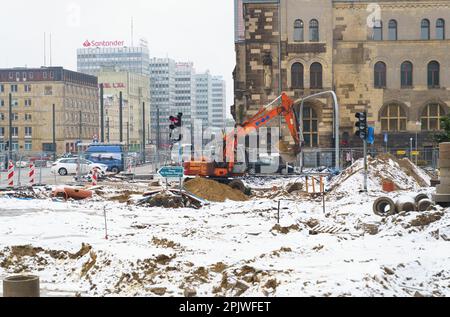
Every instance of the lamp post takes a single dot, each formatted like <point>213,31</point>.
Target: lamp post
<point>418,128</point>
<point>411,149</point>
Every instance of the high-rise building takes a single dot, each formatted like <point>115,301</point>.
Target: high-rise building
<point>135,96</point>
<point>175,88</point>
<point>34,92</point>
<point>210,100</point>
<point>92,60</point>
<point>162,94</point>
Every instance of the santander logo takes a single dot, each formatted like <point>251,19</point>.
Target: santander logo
<point>88,43</point>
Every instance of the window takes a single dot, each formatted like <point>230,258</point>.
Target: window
<point>2,131</point>
<point>48,90</point>
<point>316,76</point>
<point>425,30</point>
<point>27,88</point>
<point>314,30</point>
<point>393,118</point>
<point>407,75</point>
<point>433,74</point>
<point>310,127</point>
<point>440,29</point>
<point>15,131</point>
<point>28,131</point>
<point>14,88</point>
<point>297,73</point>
<point>2,88</point>
<point>28,117</point>
<point>28,145</point>
<point>15,116</point>
<point>2,116</point>
<point>377,32</point>
<point>27,102</point>
<point>431,117</point>
<point>380,75</point>
<point>15,146</point>
<point>299,31</point>
<point>44,75</point>
<point>2,103</point>
<point>15,102</point>
<point>393,30</point>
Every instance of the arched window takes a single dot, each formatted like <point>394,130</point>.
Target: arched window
<point>431,117</point>
<point>299,31</point>
<point>393,118</point>
<point>393,30</point>
<point>425,30</point>
<point>316,76</point>
<point>380,75</point>
<point>310,127</point>
<point>407,75</point>
<point>377,31</point>
<point>433,74</point>
<point>297,74</point>
<point>314,30</point>
<point>440,29</point>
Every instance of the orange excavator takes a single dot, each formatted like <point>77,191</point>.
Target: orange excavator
<point>224,172</point>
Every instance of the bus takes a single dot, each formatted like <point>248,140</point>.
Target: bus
<point>112,155</point>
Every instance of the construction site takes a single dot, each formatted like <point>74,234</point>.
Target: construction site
<point>308,234</point>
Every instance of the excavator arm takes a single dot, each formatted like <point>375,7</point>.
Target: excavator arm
<point>261,119</point>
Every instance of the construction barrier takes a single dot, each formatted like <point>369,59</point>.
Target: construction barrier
<point>11,174</point>
<point>32,174</point>
<point>94,177</point>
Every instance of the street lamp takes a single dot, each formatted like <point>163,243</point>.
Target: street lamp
<point>418,128</point>
<point>411,149</point>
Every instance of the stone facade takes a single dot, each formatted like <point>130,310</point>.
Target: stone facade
<point>347,52</point>
<point>34,91</point>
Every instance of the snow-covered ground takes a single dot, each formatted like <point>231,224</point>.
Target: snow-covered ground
<point>226,249</point>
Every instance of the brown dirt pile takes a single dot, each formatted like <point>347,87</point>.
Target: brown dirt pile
<point>214,191</point>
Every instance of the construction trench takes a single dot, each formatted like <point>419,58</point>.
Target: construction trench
<point>209,239</point>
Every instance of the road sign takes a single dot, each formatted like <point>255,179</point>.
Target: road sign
<point>401,152</point>
<point>171,172</point>
<point>415,153</point>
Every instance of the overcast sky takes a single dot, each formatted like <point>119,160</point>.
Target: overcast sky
<point>200,31</point>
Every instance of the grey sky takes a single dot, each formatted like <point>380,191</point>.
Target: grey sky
<point>200,31</point>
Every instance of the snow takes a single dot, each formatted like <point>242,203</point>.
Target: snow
<point>399,260</point>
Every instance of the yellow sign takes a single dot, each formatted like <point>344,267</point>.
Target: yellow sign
<point>415,153</point>
<point>401,152</point>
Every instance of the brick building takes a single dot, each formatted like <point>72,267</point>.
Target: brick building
<point>389,58</point>
<point>34,92</point>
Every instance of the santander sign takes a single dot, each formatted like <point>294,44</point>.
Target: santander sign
<point>88,43</point>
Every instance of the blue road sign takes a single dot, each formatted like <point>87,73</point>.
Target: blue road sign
<point>171,172</point>
<point>371,135</point>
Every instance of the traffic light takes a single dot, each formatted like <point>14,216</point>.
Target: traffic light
<point>176,122</point>
<point>7,146</point>
<point>362,131</point>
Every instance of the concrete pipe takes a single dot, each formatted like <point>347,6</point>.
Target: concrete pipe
<point>405,203</point>
<point>444,163</point>
<point>384,207</point>
<point>420,197</point>
<point>424,205</point>
<point>21,286</point>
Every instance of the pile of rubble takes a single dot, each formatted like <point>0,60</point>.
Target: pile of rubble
<point>213,191</point>
<point>403,173</point>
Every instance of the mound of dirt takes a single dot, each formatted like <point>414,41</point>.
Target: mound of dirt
<point>213,191</point>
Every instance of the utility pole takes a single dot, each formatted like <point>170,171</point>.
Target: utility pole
<point>102,115</point>
<point>158,135</point>
<point>107,130</point>
<point>54,131</point>
<point>128,134</point>
<point>10,126</point>
<point>143,132</point>
<point>366,167</point>
<point>121,117</point>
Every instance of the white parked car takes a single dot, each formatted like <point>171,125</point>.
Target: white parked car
<point>68,166</point>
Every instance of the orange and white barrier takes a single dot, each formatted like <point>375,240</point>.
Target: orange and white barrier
<point>11,174</point>
<point>130,165</point>
<point>32,174</point>
<point>94,177</point>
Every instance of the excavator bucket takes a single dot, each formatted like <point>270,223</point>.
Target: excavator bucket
<point>288,151</point>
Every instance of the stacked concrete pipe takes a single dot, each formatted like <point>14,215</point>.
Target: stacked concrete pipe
<point>21,286</point>
<point>442,196</point>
